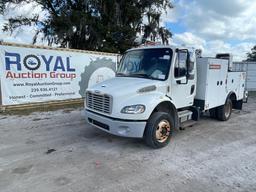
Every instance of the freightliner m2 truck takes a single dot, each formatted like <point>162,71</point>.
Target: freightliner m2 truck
<point>161,88</point>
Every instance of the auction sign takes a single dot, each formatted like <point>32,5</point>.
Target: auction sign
<point>32,74</point>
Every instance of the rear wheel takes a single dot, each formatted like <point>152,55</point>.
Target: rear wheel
<point>224,111</point>
<point>159,130</point>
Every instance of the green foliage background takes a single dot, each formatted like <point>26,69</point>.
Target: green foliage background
<point>102,25</point>
<point>252,55</point>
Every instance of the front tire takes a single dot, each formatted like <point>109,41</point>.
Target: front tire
<point>224,111</point>
<point>158,130</point>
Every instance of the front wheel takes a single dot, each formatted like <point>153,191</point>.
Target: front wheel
<point>159,130</point>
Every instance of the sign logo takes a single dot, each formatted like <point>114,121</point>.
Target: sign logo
<point>214,66</point>
<point>57,67</point>
<point>31,62</point>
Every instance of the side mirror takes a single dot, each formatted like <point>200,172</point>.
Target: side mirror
<point>188,64</point>
<point>191,76</point>
<point>185,68</point>
<point>182,81</point>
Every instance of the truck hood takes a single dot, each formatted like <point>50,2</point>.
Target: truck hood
<point>121,86</point>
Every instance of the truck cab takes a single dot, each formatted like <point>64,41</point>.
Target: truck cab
<point>154,92</point>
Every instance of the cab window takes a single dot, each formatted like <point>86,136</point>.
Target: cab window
<point>180,68</point>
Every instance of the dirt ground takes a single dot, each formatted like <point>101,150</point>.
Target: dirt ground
<point>58,151</point>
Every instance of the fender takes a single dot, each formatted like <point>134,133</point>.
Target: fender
<point>232,96</point>
<point>236,104</point>
<point>168,107</point>
<point>150,100</point>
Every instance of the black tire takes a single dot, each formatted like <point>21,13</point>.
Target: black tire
<point>152,127</point>
<point>224,111</point>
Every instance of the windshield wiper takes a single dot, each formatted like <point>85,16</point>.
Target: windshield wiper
<point>142,75</point>
<point>120,74</point>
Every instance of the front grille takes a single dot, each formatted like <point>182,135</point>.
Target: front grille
<point>99,102</point>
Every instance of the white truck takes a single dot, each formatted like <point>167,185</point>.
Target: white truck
<point>160,88</point>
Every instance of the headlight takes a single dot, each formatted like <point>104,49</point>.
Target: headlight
<point>133,109</point>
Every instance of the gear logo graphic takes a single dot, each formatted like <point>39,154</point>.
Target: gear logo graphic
<point>31,62</point>
<point>97,71</point>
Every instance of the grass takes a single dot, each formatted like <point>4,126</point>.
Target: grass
<point>27,110</point>
<point>68,107</point>
<point>252,94</point>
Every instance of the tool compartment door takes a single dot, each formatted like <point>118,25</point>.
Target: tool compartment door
<point>241,86</point>
<point>216,83</point>
<point>236,83</point>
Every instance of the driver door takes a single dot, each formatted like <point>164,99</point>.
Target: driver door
<point>183,81</point>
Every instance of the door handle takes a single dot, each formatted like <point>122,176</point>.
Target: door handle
<point>192,89</point>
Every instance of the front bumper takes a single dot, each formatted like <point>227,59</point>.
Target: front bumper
<point>118,127</point>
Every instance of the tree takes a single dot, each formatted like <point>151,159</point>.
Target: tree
<point>252,56</point>
<point>153,29</point>
<point>103,25</point>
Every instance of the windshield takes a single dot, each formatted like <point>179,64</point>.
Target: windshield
<point>146,63</point>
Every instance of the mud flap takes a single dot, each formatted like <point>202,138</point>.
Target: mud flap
<point>238,104</point>
<point>195,113</point>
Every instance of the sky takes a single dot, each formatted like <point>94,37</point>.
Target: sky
<point>214,26</point>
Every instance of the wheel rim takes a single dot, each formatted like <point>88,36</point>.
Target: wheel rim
<point>227,109</point>
<point>163,131</point>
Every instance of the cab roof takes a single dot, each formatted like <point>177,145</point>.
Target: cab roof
<point>160,47</point>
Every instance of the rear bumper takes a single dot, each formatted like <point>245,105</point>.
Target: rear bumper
<point>118,127</point>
